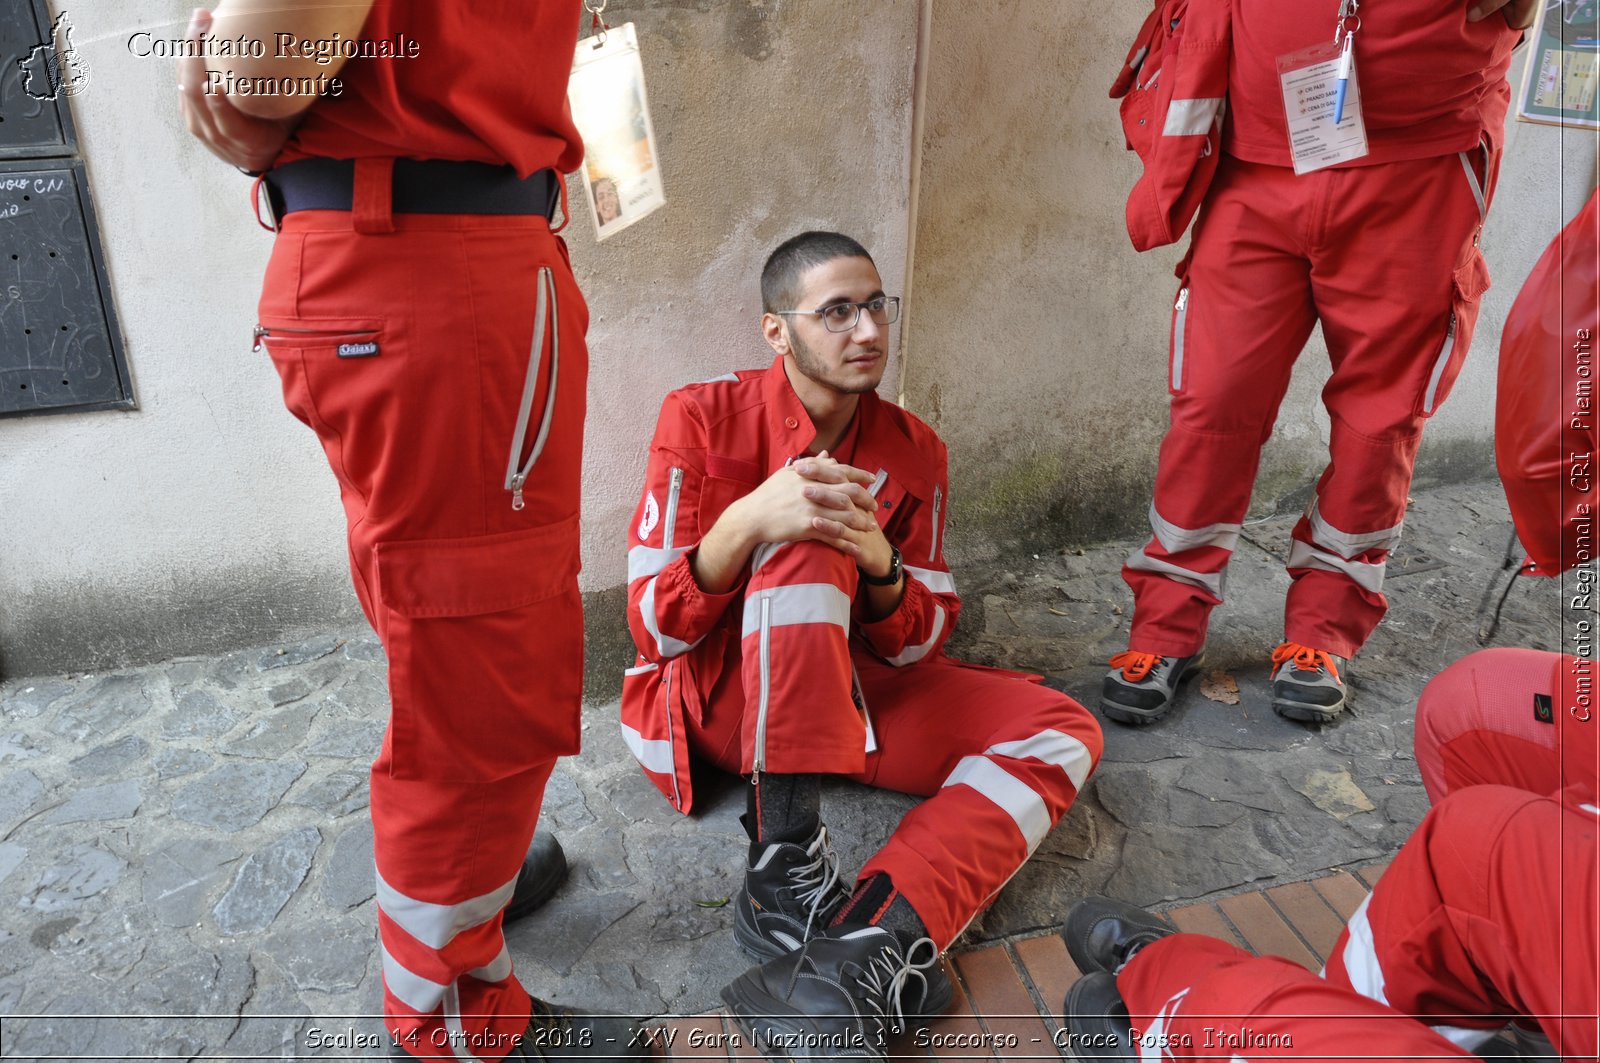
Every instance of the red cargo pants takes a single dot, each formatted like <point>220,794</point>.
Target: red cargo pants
<point>1385,258</point>
<point>431,353</point>
<point>1488,912</point>
<point>999,758</point>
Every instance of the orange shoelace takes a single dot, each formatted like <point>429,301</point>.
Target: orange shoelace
<point>1135,665</point>
<point>1305,658</point>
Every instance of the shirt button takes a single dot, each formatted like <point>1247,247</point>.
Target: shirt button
<point>791,422</point>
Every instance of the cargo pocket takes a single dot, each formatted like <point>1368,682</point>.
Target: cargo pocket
<point>485,641</point>
<point>1469,282</point>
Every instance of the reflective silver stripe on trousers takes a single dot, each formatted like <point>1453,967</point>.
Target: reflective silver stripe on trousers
<point>653,754</point>
<point>1361,956</point>
<point>649,561</point>
<point>452,1024</point>
<point>436,925</point>
<point>1015,797</point>
<point>1175,539</point>
<point>1211,582</point>
<point>1152,1045</point>
<point>1191,118</point>
<point>802,603</point>
<point>1349,544</point>
<point>414,991</point>
<point>666,645</point>
<point>1472,183</point>
<point>936,581</point>
<point>913,654</point>
<point>1051,747</point>
<point>1332,549</point>
<point>764,553</point>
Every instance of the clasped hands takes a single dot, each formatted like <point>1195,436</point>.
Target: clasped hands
<point>820,499</point>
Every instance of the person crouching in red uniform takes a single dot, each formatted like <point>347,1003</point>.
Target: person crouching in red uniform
<point>789,599</point>
<point>426,325</point>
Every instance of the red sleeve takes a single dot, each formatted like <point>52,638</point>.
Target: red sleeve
<point>920,625</point>
<point>668,613</point>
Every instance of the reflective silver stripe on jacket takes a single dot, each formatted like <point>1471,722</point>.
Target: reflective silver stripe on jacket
<point>653,754</point>
<point>649,561</point>
<point>1192,118</point>
<point>913,654</point>
<point>666,645</point>
<point>936,581</point>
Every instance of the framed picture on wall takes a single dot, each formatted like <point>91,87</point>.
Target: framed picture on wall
<point>1562,74</point>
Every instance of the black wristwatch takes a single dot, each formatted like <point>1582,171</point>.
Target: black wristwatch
<point>884,581</point>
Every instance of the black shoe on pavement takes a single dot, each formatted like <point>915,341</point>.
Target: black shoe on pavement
<point>544,869</point>
<point>1306,684</point>
<point>1096,1020</point>
<point>1103,934</point>
<point>553,1033</point>
<point>844,994</point>
<point>1141,687</point>
<point>789,895</point>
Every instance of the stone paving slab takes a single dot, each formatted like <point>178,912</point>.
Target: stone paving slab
<point>191,838</point>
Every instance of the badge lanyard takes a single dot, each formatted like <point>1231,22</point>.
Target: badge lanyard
<point>621,171</point>
<point>1322,98</point>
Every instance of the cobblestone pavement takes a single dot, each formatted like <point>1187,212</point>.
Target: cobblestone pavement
<point>185,855</point>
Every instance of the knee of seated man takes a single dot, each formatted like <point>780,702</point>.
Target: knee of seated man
<point>804,561</point>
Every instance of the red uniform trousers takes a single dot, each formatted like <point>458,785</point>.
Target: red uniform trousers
<point>1488,911</point>
<point>1510,717</point>
<point>1385,258</point>
<point>999,758</point>
<point>406,344</point>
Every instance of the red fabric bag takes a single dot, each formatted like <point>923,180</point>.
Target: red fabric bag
<point>1545,413</point>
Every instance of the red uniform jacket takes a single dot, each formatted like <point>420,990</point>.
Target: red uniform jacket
<point>714,443</point>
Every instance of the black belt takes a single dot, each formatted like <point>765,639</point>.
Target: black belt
<point>433,186</point>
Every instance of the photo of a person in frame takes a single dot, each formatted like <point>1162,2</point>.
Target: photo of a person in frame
<point>607,204</point>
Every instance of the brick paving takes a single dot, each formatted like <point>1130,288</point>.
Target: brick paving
<point>1009,995</point>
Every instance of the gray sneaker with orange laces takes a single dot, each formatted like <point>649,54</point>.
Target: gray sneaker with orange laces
<point>1141,687</point>
<point>1306,684</point>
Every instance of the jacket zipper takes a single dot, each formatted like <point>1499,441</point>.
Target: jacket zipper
<point>764,648</point>
<point>938,500</point>
<point>544,307</point>
<point>261,333</point>
<point>677,798</point>
<point>1438,366</point>
<point>1181,310</point>
<point>674,489</point>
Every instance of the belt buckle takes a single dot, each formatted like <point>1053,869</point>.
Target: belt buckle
<point>261,193</point>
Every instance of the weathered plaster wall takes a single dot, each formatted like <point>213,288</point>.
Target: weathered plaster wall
<point>1037,344</point>
<point>208,517</point>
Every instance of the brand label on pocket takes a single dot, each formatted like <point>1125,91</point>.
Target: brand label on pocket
<point>358,350</point>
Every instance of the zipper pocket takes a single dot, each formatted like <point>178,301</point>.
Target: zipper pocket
<point>262,333</point>
<point>938,501</point>
<point>1180,318</point>
<point>764,648</point>
<point>674,489</point>
<point>1439,365</point>
<point>518,471</point>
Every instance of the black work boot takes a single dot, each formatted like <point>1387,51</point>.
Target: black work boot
<point>790,894</point>
<point>1103,934</point>
<point>544,869</point>
<point>1096,1020</point>
<point>1141,687</point>
<point>844,994</point>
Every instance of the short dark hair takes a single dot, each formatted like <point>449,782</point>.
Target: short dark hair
<point>780,277</point>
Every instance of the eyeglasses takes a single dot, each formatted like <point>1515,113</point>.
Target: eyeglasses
<point>842,317</point>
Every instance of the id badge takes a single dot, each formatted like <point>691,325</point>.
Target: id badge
<point>1310,80</point>
<point>621,174</point>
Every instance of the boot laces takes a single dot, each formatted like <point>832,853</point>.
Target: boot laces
<point>886,976</point>
<point>1135,665</point>
<point>1305,658</point>
<point>816,883</point>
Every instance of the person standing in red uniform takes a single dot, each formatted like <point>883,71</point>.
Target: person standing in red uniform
<point>426,325</point>
<point>790,602</point>
<point>1382,252</point>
